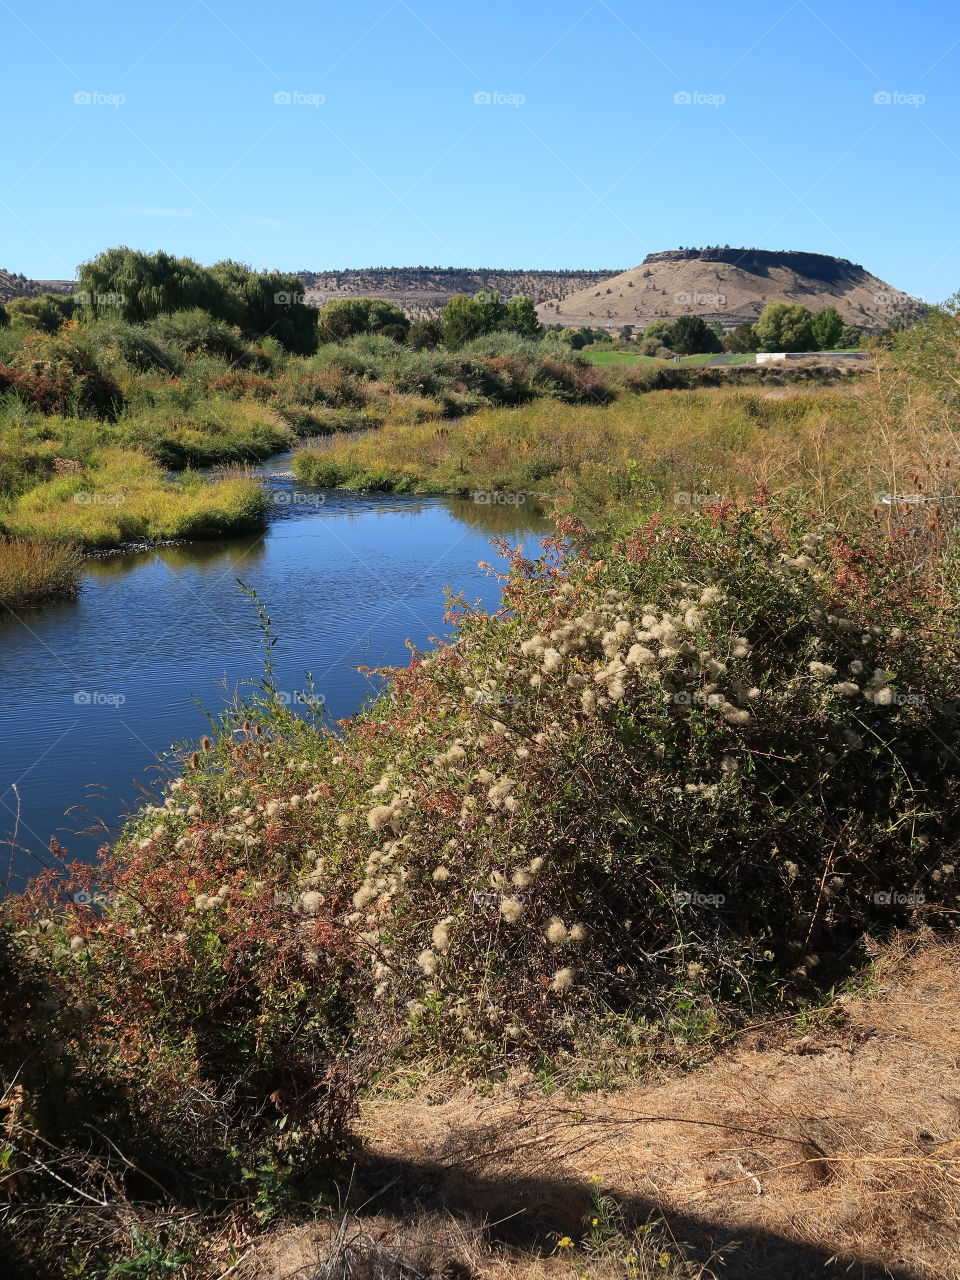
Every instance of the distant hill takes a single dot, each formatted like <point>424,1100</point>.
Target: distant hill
<point>12,286</point>
<point>731,286</point>
<point>422,291</point>
<point>728,286</point>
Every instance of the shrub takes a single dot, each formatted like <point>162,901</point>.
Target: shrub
<point>47,312</point>
<point>136,346</point>
<point>332,386</point>
<point>577,383</point>
<point>680,769</point>
<point>850,338</point>
<point>196,332</point>
<point>348,317</point>
<point>741,339</point>
<point>425,334</point>
<point>58,373</point>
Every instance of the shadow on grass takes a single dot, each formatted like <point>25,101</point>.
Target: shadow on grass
<point>527,1214</point>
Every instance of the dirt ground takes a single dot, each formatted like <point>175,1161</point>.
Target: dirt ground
<point>832,1152</point>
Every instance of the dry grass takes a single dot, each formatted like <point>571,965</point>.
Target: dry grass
<point>838,1140</point>
<point>437,1245</point>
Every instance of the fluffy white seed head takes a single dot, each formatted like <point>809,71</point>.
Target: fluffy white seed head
<point>556,931</point>
<point>511,909</point>
<point>562,980</point>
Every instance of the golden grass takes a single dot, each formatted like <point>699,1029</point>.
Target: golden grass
<point>837,448</point>
<point>123,496</point>
<point>30,573</point>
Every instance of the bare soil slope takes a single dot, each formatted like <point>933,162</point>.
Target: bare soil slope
<point>731,286</point>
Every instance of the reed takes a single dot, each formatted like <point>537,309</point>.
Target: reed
<point>31,573</point>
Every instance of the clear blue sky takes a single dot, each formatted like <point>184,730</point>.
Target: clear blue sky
<point>399,165</point>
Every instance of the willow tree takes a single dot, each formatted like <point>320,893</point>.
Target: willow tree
<point>139,287</point>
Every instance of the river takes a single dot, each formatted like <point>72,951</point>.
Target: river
<point>93,691</point>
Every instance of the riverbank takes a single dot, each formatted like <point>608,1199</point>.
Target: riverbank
<point>679,448</point>
<point>95,414</point>
<point>539,846</point>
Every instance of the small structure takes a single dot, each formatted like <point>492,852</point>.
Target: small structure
<point>770,357</point>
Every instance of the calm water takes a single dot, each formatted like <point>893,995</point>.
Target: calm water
<point>93,691</point>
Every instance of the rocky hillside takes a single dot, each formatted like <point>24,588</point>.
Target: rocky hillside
<point>422,291</point>
<point>18,286</point>
<point>730,286</point>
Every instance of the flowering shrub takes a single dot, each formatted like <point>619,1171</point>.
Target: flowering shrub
<point>689,769</point>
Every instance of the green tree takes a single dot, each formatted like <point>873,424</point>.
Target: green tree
<point>522,318</point>
<point>425,334</point>
<point>626,333</point>
<point>849,338</point>
<point>742,338</point>
<point>466,317</point>
<point>47,312</point>
<point>827,327</point>
<point>785,326</point>
<point>691,335</point>
<point>657,331</point>
<point>138,287</point>
<point>141,286</point>
<point>347,317</point>
<point>270,303</point>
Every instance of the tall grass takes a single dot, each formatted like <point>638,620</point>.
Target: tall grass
<point>834,448</point>
<point>125,497</point>
<point>31,573</point>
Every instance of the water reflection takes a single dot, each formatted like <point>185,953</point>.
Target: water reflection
<point>500,520</point>
<point>234,554</point>
<point>91,690</point>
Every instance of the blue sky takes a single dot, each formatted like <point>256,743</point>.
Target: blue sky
<point>161,127</point>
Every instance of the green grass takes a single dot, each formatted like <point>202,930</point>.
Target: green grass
<point>618,359</point>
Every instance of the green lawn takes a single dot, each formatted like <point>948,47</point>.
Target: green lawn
<point>615,358</point>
